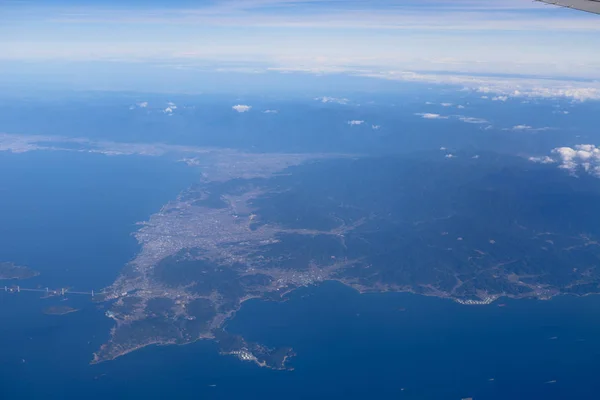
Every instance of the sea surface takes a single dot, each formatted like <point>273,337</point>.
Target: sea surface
<point>70,216</point>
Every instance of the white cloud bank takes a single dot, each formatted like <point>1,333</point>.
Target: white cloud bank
<point>581,157</point>
<point>390,39</point>
<point>500,88</point>
<point>241,108</point>
<point>270,111</point>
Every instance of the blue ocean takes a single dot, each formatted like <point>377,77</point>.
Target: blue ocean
<point>71,215</point>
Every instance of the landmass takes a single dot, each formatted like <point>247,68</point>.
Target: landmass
<point>261,355</point>
<point>10,270</point>
<point>470,229</point>
<point>59,310</point>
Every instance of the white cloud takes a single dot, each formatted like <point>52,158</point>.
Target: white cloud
<point>528,128</point>
<point>431,116</point>
<point>326,99</point>
<point>500,87</point>
<point>355,122</point>
<point>521,128</point>
<point>170,108</point>
<point>585,156</point>
<point>475,157</point>
<point>375,127</point>
<point>142,104</point>
<point>471,120</point>
<point>241,108</point>
<point>429,103</point>
<point>546,90</point>
<point>542,160</point>
<point>442,148</point>
<point>581,157</point>
<point>270,111</point>
<point>450,156</point>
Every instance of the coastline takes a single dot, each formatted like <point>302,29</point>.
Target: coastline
<point>225,318</point>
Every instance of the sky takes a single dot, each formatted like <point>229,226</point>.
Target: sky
<point>454,41</point>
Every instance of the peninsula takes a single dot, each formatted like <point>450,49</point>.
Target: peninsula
<point>258,227</point>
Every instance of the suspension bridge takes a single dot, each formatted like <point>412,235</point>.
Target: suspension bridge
<point>50,292</point>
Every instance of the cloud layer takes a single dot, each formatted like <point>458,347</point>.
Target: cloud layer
<point>500,88</point>
<point>392,39</point>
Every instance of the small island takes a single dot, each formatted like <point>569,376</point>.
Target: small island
<point>10,270</point>
<point>59,310</point>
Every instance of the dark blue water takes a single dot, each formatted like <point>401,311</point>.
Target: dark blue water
<point>70,216</point>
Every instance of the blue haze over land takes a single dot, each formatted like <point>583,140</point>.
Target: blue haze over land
<point>304,123</point>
